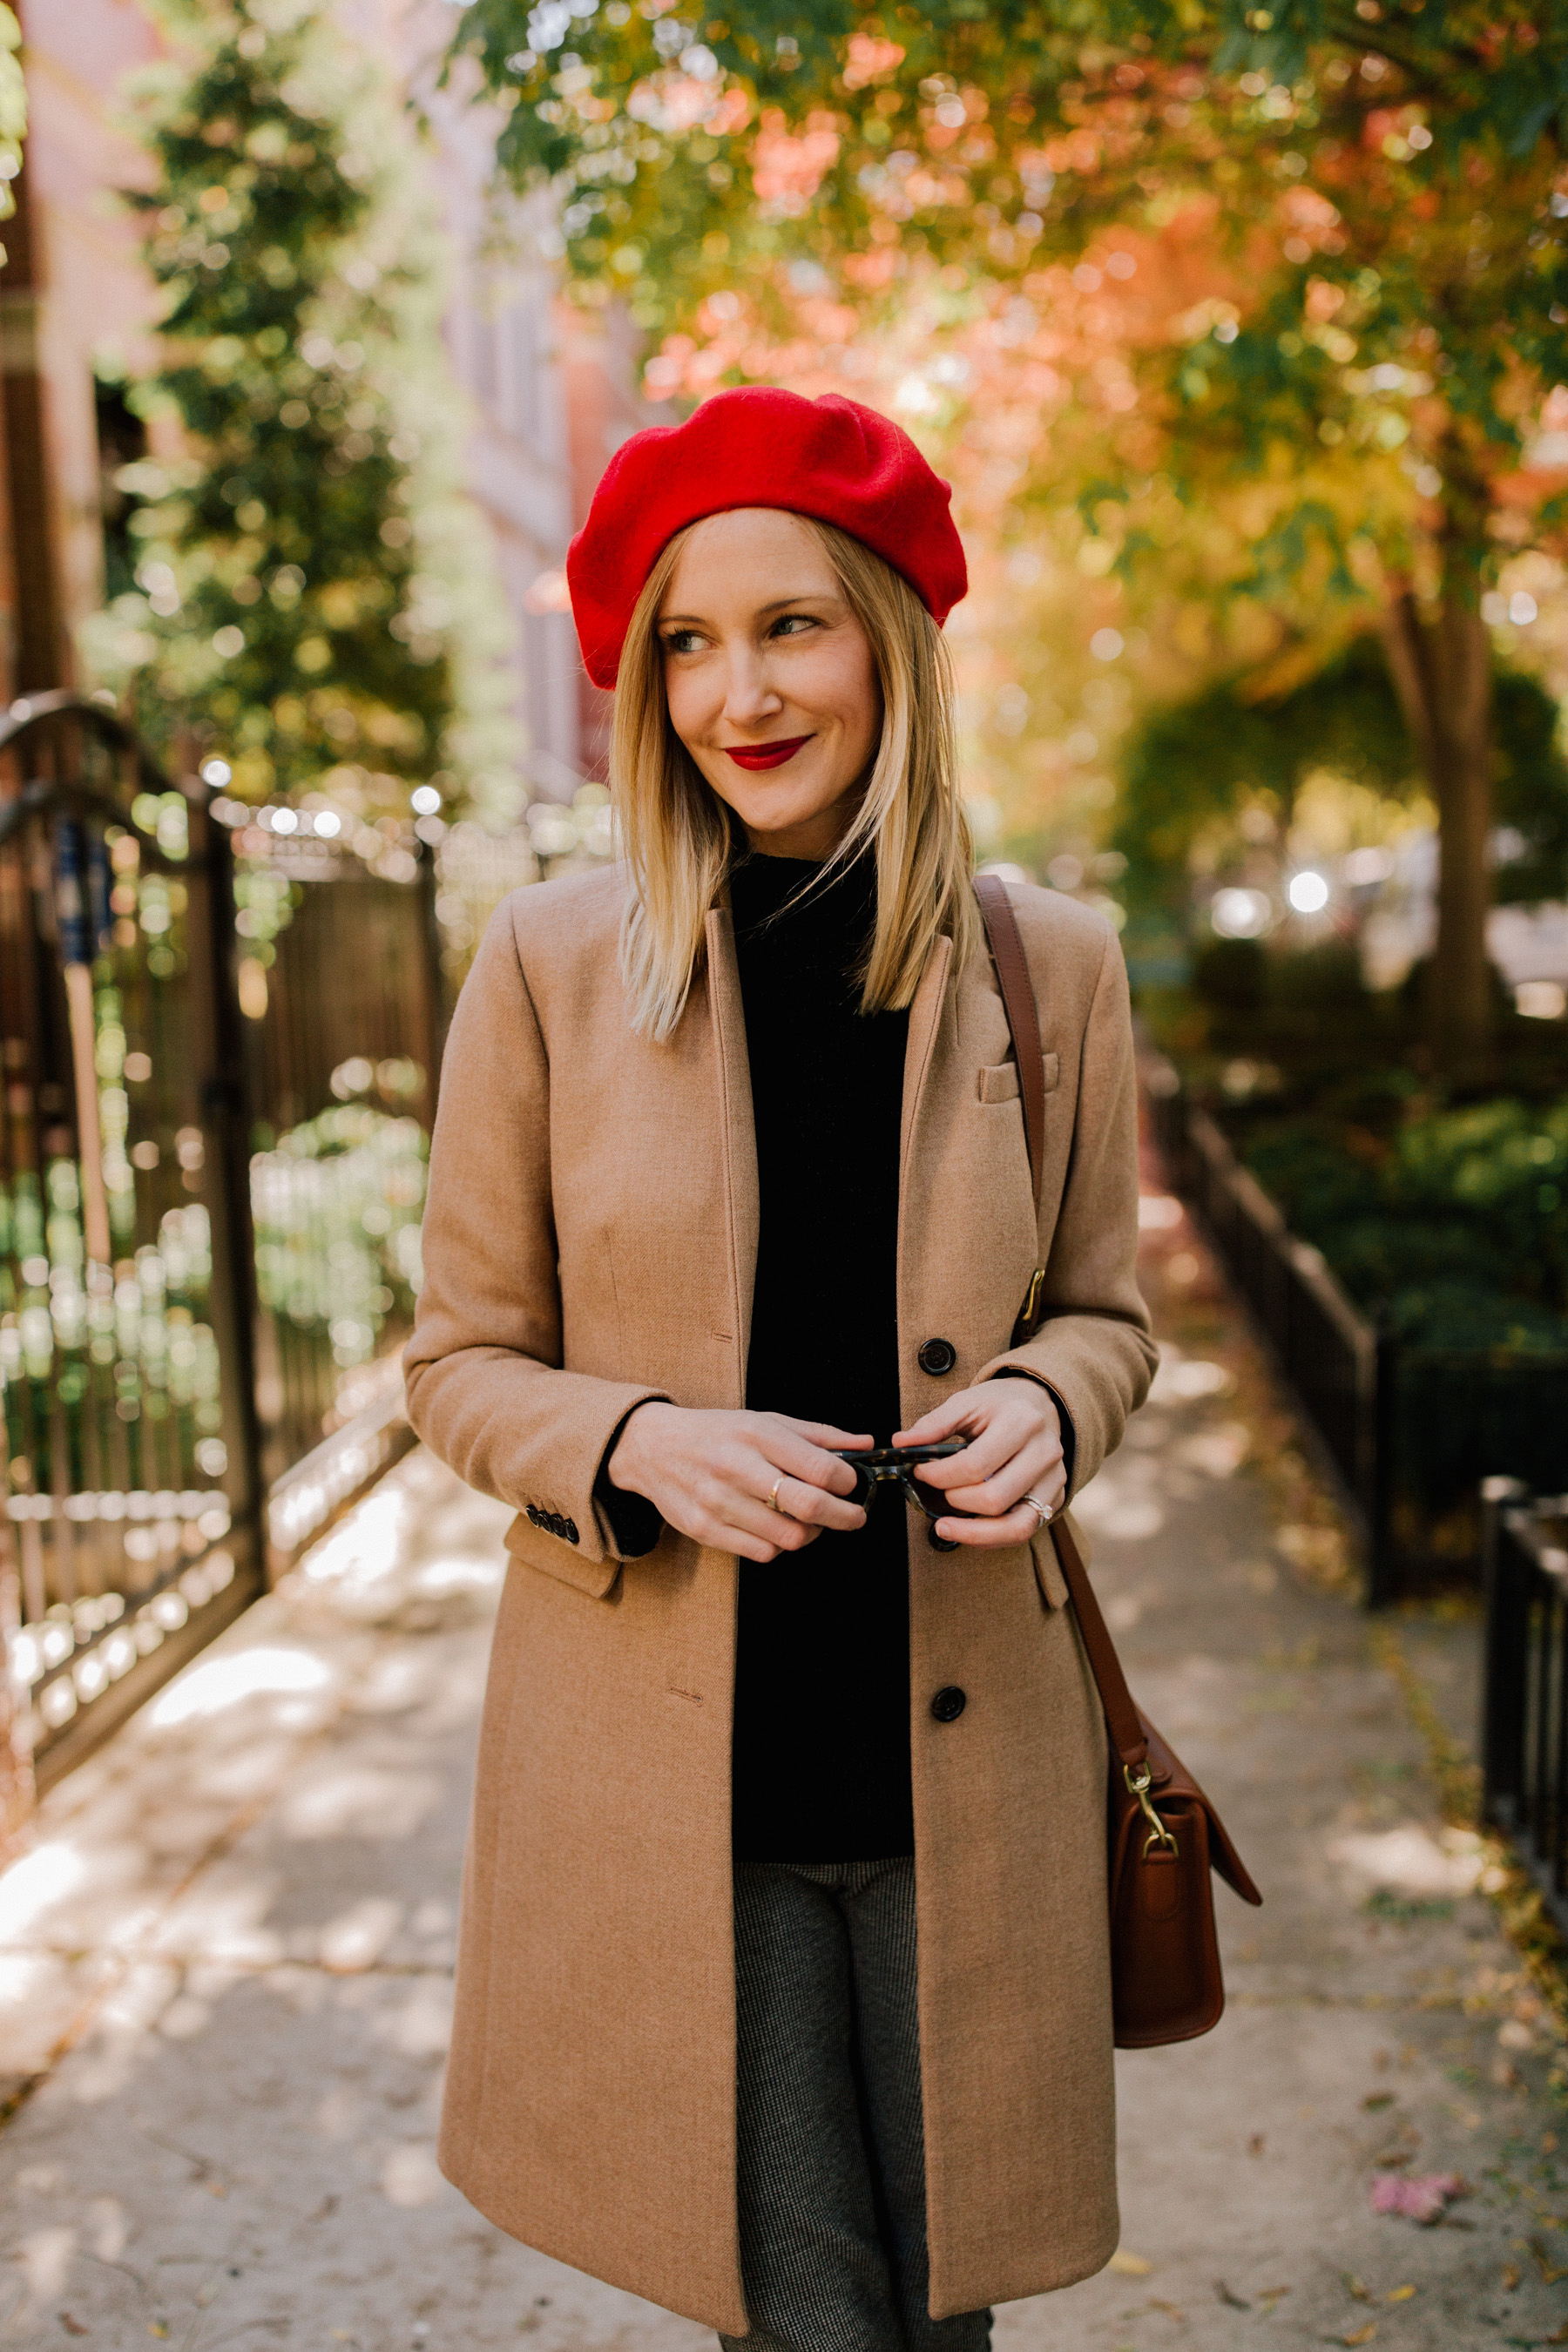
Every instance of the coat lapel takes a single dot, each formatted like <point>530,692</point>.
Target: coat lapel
<point>924,1040</point>
<point>737,1130</point>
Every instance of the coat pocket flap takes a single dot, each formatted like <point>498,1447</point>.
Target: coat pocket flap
<point>999,1082</point>
<point>1048,1569</point>
<point>535,1549</point>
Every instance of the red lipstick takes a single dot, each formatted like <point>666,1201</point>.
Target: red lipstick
<point>766,755</point>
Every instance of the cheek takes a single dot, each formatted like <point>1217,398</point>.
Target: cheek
<point>683,700</point>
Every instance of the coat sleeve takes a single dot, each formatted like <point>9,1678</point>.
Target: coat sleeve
<point>486,1387</point>
<point>1094,1350</point>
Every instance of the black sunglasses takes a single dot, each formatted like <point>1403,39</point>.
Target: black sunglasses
<point>895,1466</point>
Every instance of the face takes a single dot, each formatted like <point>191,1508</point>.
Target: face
<point>770,679</point>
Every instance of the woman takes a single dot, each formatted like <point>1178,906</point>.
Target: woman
<point>730,1179</point>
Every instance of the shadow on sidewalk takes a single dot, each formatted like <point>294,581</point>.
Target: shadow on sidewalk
<point>224,1969</point>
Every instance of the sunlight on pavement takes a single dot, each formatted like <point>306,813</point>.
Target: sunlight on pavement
<point>40,1879</point>
<point>218,1683</point>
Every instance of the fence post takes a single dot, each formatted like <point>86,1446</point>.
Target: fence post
<point>434,971</point>
<point>1503,1667</point>
<point>1381,1578</point>
<point>227,1114</point>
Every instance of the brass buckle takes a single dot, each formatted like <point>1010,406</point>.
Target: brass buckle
<point>1160,1834</point>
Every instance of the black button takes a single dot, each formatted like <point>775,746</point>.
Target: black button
<point>949,1703</point>
<point>535,1516</point>
<point>569,1529</point>
<point>938,1356</point>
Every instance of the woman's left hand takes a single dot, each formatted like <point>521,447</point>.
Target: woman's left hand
<point>1015,1449</point>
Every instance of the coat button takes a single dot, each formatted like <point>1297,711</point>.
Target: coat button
<point>569,1530</point>
<point>949,1703</point>
<point>937,1356</point>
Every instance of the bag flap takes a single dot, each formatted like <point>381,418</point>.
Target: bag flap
<point>1174,1784</point>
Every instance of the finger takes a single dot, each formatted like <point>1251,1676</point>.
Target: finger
<point>822,1433</point>
<point>798,1498</point>
<point>1012,1431</point>
<point>758,1534</point>
<point>944,1420</point>
<point>1028,1471</point>
<point>990,1535</point>
<point>784,1449</point>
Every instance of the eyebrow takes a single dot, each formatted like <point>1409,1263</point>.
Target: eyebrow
<point>805,596</point>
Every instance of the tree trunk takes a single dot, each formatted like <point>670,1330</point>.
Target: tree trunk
<point>1441,664</point>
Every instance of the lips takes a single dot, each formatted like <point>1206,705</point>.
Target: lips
<point>753,756</point>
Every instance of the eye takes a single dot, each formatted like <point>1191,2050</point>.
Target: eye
<point>681,641</point>
<point>791,625</point>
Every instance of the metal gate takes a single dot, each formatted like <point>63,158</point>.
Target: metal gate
<point>220,1030</point>
<point>129,1485</point>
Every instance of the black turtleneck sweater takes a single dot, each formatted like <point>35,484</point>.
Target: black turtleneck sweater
<point>822,1690</point>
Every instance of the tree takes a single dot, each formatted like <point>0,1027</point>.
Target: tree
<point>282,614</point>
<point>1235,752</point>
<point>1377,186</point>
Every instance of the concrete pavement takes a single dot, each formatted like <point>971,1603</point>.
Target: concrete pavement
<point>225,1968</point>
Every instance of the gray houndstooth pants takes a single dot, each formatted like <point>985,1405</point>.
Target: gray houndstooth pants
<point>832,2153</point>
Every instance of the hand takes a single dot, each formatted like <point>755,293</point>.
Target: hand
<point>1016,1449</point>
<point>711,1474</point>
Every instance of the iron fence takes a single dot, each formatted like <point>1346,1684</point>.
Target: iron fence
<point>1408,1431</point>
<point>1524,1721</point>
<point>221,1030</point>
<point>129,1485</point>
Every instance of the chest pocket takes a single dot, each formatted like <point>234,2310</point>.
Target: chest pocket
<point>1000,1082</point>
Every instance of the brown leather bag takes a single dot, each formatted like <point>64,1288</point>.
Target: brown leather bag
<point>1163,1835</point>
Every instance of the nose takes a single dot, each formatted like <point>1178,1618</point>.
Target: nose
<point>750,701</point>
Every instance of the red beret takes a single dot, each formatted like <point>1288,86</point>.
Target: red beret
<point>758,446</point>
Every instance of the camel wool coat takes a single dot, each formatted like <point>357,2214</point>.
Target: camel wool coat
<point>590,1241</point>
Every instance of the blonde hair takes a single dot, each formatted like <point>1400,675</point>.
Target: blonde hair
<point>676,833</point>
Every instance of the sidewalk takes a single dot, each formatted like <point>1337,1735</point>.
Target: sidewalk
<point>224,1970</point>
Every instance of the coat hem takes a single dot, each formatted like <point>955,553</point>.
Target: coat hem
<point>1032,2283</point>
<point>730,2320</point>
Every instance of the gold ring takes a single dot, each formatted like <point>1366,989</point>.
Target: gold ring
<point>1045,1510</point>
<point>773,1497</point>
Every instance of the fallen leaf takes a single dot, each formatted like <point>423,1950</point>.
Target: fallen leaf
<point>72,2325</point>
<point>1352,2285</point>
<point>1255,2145</point>
<point>1236,2301</point>
<point>1550,2273</point>
<point>1378,2099</point>
<point>1128,2265</point>
<point>1420,2198</point>
<point>1360,2335</point>
<point>1169,2308</point>
<point>1399,2294</point>
<point>1510,2278</point>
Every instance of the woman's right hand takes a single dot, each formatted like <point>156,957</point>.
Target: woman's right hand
<point>711,1474</point>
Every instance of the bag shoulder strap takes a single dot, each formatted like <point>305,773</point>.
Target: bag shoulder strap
<point>1121,1717</point>
<point>1022,1014</point>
